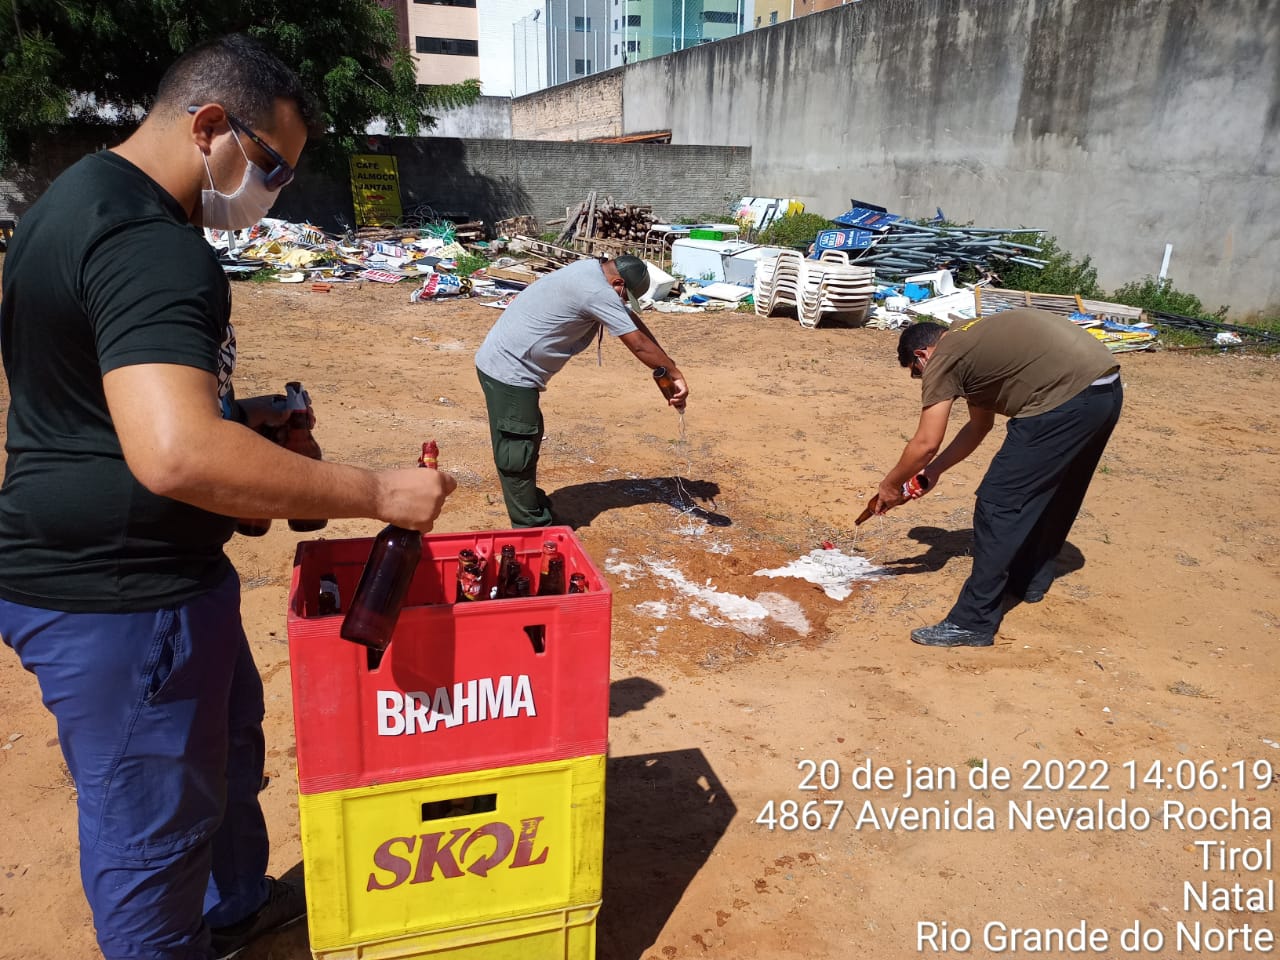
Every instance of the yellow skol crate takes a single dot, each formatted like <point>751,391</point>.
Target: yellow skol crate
<point>481,866</point>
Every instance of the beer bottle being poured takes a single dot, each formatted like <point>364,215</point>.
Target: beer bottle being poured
<point>374,610</point>
<point>296,436</point>
<point>664,382</point>
<point>913,489</point>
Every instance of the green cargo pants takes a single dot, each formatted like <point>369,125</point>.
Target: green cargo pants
<point>515,429</point>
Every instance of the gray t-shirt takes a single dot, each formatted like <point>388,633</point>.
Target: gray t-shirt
<point>555,318</point>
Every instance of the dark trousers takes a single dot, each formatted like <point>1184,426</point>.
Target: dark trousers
<point>1029,499</point>
<point>515,430</point>
<point>160,721</point>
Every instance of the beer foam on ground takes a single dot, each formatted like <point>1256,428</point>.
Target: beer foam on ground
<point>717,608</point>
<point>628,571</point>
<point>833,570</point>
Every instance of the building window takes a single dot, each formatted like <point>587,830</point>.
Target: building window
<point>717,16</point>
<point>581,67</point>
<point>633,19</point>
<point>633,46</point>
<point>449,46</point>
<point>615,49</point>
<point>757,21</point>
<point>581,24</point>
<point>615,23</point>
<point>449,3</point>
<point>773,16</point>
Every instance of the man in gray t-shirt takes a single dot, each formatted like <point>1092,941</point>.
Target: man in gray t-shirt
<point>554,319</point>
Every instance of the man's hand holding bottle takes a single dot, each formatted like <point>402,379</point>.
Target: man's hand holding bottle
<point>412,498</point>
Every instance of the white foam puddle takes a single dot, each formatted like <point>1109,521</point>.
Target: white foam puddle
<point>833,570</point>
<point>718,608</point>
<point>628,571</point>
<point>653,608</point>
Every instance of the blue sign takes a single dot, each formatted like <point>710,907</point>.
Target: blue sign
<point>867,219</point>
<point>844,240</point>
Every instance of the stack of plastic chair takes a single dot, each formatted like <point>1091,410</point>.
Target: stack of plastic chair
<point>778,282</point>
<point>834,256</point>
<point>830,288</point>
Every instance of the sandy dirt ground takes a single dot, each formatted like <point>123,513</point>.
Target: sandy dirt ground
<point>1158,644</point>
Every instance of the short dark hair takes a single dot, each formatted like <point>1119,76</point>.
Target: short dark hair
<point>240,74</point>
<point>918,336</point>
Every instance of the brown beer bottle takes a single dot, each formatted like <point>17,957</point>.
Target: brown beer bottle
<point>913,489</point>
<point>470,576</point>
<point>664,382</point>
<point>296,436</point>
<point>256,527</point>
<point>508,572</point>
<point>578,583</point>
<point>523,587</point>
<point>330,602</point>
<point>551,581</point>
<point>371,620</point>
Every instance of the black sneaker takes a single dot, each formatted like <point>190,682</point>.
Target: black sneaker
<point>947,634</point>
<point>286,905</point>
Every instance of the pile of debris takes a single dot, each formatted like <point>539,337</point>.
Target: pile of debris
<point>897,247</point>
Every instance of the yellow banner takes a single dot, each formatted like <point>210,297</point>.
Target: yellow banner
<point>375,190</point>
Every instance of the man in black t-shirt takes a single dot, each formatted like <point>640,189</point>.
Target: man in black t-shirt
<point>128,455</point>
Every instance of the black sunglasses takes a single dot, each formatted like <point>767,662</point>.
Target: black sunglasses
<point>281,175</point>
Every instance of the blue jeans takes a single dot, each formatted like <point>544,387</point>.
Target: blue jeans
<point>160,721</point>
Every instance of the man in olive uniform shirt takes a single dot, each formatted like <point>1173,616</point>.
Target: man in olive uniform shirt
<point>1060,388</point>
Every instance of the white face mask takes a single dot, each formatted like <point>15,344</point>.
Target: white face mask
<point>236,211</point>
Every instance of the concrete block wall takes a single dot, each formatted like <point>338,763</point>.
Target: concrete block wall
<point>495,179</point>
<point>1117,126</point>
<point>581,110</point>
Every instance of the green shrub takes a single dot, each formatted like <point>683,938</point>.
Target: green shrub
<point>794,230</point>
<point>1062,274</point>
<point>467,264</point>
<point>1155,295</point>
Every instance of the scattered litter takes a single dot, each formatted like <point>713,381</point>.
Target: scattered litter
<point>896,247</point>
<point>1226,338</point>
<point>833,570</point>
<point>381,276</point>
<point>725,291</point>
<point>441,285</point>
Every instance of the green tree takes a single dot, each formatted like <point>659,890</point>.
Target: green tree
<point>63,60</point>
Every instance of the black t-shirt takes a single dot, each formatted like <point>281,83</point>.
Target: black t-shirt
<point>103,272</point>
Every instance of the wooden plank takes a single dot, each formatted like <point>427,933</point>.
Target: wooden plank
<point>591,217</point>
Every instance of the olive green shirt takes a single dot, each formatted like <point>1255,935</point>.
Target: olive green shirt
<point>1019,363</point>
